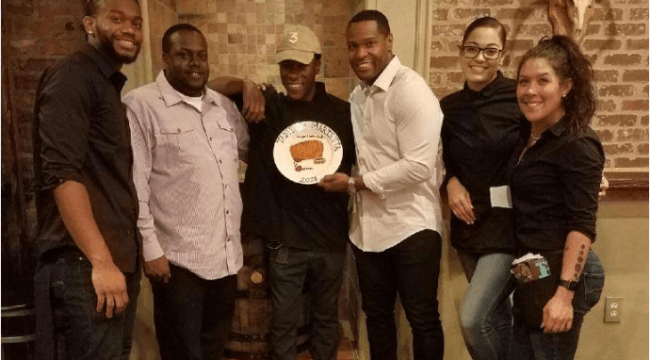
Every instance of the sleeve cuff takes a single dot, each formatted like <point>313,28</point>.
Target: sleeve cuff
<point>371,184</point>
<point>586,232</point>
<point>151,250</point>
<point>53,180</point>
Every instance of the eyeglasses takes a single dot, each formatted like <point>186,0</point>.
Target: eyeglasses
<point>471,52</point>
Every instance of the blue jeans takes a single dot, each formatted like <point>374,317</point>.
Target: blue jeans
<point>193,315</point>
<point>410,268</point>
<point>486,311</point>
<point>322,273</point>
<point>80,332</point>
<point>532,344</point>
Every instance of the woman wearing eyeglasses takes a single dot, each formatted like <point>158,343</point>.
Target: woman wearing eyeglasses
<point>479,132</point>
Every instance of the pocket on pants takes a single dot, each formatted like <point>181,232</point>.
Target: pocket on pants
<point>591,287</point>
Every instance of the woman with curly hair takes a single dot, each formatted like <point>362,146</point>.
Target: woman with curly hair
<point>555,173</point>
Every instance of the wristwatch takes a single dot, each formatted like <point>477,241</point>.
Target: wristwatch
<point>351,188</point>
<point>569,284</point>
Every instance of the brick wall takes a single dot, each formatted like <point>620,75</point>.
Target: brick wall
<point>34,35</point>
<point>616,43</point>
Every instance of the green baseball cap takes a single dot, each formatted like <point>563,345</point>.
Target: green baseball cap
<point>299,43</point>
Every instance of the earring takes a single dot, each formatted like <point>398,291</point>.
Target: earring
<point>563,95</point>
<point>90,33</point>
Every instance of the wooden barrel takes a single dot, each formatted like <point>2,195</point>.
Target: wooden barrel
<point>18,332</point>
<point>249,334</point>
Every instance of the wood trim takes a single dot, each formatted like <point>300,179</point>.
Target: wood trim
<point>626,185</point>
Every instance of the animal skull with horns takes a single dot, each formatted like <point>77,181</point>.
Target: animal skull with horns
<point>570,17</point>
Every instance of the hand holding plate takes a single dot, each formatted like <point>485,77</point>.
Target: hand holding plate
<point>337,182</point>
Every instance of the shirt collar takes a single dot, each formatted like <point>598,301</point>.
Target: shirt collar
<point>490,88</point>
<point>109,68</point>
<point>559,127</point>
<point>387,75</point>
<point>170,95</point>
<point>106,65</point>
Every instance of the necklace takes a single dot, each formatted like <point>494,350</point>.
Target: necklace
<point>532,140</point>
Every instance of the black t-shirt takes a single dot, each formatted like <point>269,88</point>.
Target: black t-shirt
<point>275,208</point>
<point>555,187</point>
<point>479,132</point>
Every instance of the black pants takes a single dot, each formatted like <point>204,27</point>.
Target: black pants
<point>410,268</point>
<point>323,273</point>
<point>193,315</point>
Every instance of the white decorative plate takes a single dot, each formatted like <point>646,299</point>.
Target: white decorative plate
<point>306,151</point>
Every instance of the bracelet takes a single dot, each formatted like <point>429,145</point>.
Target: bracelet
<point>569,284</point>
<point>351,186</point>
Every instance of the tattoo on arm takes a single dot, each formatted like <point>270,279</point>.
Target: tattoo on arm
<point>580,264</point>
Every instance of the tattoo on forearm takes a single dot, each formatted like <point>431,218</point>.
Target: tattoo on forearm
<point>580,263</point>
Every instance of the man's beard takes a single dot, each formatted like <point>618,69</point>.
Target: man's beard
<point>106,45</point>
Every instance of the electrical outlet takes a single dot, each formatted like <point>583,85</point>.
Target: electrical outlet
<point>613,309</point>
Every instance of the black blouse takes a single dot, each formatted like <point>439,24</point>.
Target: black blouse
<point>479,132</point>
<point>555,187</point>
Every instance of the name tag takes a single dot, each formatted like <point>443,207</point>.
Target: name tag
<point>500,197</point>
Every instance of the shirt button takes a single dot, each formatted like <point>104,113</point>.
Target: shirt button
<point>178,130</point>
<point>220,161</point>
<point>227,212</point>
<point>210,139</point>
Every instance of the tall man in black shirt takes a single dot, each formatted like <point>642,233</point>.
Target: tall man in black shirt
<point>306,227</point>
<point>88,242</point>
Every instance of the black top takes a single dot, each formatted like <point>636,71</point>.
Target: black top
<point>479,132</point>
<point>81,133</point>
<point>275,208</point>
<point>555,187</point>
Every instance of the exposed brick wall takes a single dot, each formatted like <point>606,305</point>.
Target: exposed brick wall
<point>37,33</point>
<point>34,35</point>
<point>616,43</point>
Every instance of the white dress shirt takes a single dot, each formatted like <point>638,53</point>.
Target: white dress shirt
<point>185,173</point>
<point>397,122</point>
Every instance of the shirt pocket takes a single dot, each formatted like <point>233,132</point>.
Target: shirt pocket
<point>179,136</point>
<point>226,139</point>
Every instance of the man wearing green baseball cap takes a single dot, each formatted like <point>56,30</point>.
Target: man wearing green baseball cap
<point>306,228</point>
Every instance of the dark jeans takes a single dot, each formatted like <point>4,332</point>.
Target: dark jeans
<point>291,270</point>
<point>193,315</point>
<point>533,344</point>
<point>80,332</point>
<point>410,268</point>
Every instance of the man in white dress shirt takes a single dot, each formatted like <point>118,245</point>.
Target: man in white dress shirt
<point>396,222</point>
<point>187,141</point>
